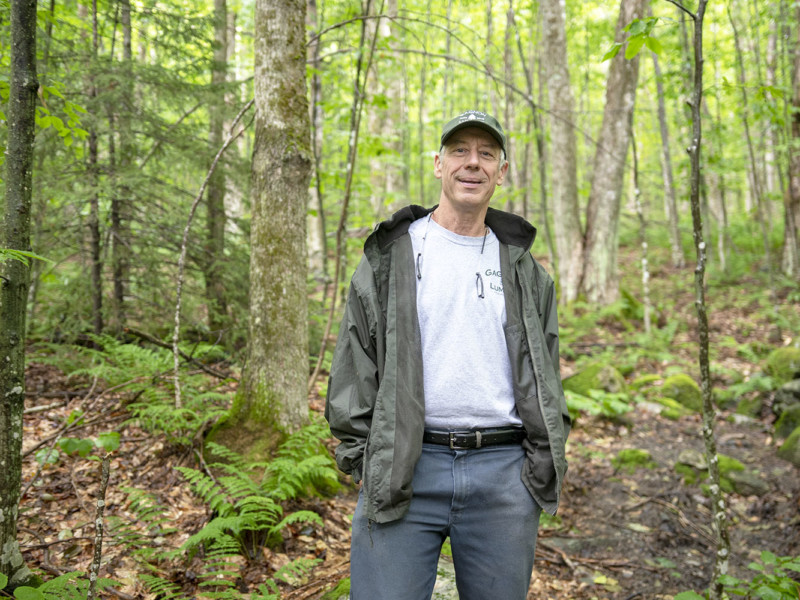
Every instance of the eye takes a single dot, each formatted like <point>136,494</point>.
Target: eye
<point>487,154</point>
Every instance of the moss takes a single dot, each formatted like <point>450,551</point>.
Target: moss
<point>750,407</point>
<point>683,390</point>
<point>788,421</point>
<point>783,364</point>
<point>630,459</point>
<point>692,475</point>
<point>673,410</point>
<point>596,377</point>
<point>791,448</point>
<point>644,381</point>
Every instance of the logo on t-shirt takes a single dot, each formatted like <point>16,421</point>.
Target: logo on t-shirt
<point>495,280</point>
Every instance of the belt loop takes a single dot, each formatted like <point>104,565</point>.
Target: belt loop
<point>478,439</point>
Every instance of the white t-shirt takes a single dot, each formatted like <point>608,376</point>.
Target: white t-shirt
<point>466,370</point>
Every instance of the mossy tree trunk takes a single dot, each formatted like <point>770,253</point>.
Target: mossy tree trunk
<point>272,400</point>
<point>15,277</point>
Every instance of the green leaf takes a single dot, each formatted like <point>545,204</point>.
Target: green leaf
<point>767,593</point>
<point>653,45</point>
<point>612,52</point>
<point>75,446</point>
<point>634,45</point>
<point>45,456</point>
<point>3,581</point>
<point>636,27</point>
<point>688,596</point>
<point>754,566</point>
<point>768,558</point>
<point>108,441</point>
<point>28,593</point>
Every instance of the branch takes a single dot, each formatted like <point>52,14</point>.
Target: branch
<point>94,570</point>
<point>182,260</point>
<point>684,9</point>
<point>154,340</point>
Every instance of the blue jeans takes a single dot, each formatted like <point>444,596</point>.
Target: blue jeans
<point>474,496</point>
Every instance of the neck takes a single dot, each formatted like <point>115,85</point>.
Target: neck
<point>467,224</point>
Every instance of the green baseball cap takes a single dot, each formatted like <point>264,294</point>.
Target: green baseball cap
<point>476,118</point>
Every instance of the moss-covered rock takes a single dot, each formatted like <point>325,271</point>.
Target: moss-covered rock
<point>748,483</point>
<point>783,364</point>
<point>673,410</point>
<point>785,396</point>
<point>644,381</point>
<point>788,421</point>
<point>791,448</point>
<point>750,406</point>
<point>630,459</point>
<point>692,466</point>
<point>596,377</point>
<point>684,390</point>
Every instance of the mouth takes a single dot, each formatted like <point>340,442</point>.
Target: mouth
<point>470,181</point>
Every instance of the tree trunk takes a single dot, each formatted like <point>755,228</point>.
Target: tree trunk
<point>213,266</point>
<point>791,204</point>
<point>273,400</point>
<point>600,278</point>
<point>15,277</point>
<point>317,247</point>
<point>678,261</point>
<point>720,519</point>
<point>566,216</point>
<point>95,239</point>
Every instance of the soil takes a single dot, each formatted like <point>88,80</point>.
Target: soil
<point>618,534</point>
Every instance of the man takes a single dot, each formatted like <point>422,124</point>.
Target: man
<point>445,390</point>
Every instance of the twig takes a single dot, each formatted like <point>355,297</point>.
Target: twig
<point>38,409</point>
<point>77,492</point>
<point>154,340</point>
<point>182,259</point>
<point>684,9</point>
<point>94,570</point>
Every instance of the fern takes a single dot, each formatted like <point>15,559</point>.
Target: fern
<point>159,587</point>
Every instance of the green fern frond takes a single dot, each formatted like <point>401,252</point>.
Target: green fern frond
<point>160,587</point>
<point>300,516</point>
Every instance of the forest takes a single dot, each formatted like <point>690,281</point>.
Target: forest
<point>187,187</point>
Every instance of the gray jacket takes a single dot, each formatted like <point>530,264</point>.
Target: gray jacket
<point>375,404</point>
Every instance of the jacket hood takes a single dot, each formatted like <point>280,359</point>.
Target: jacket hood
<point>509,228</point>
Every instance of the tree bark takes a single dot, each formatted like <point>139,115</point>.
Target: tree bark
<point>678,260</point>
<point>15,277</point>
<point>791,204</point>
<point>566,215</point>
<point>215,194</point>
<point>600,278</point>
<point>720,518</point>
<point>273,399</point>
<point>317,246</point>
<point>95,239</point>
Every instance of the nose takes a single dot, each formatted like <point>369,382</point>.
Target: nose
<point>473,159</point>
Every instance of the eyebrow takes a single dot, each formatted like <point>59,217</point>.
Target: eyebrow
<point>455,140</point>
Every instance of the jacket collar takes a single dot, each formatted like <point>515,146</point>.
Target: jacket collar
<point>509,228</point>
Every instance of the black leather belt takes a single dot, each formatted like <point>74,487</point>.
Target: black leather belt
<point>466,440</point>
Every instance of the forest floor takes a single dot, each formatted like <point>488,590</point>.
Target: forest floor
<point>618,534</point>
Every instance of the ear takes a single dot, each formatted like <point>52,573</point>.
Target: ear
<point>503,171</point>
<point>437,166</point>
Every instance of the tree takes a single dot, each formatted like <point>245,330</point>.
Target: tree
<point>15,277</point>
<point>791,251</point>
<point>600,279</point>
<point>272,400</point>
<point>720,518</point>
<point>566,218</point>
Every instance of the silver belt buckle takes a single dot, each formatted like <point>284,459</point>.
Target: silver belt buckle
<point>453,445</point>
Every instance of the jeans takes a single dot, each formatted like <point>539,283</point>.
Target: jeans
<point>474,496</point>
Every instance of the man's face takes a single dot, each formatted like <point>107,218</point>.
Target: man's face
<point>470,167</point>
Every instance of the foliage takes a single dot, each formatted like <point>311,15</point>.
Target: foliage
<point>597,402</point>
<point>69,586</point>
<point>146,375</point>
<point>772,580</point>
<point>630,459</point>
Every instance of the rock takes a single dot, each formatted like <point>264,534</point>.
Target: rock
<point>693,458</point>
<point>630,459</point>
<point>748,483</point>
<point>750,407</point>
<point>783,364</point>
<point>785,396</point>
<point>791,448</point>
<point>684,390</point>
<point>596,377</point>
<point>788,421</point>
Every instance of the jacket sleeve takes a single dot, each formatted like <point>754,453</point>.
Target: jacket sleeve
<point>548,313</point>
<point>353,384</point>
